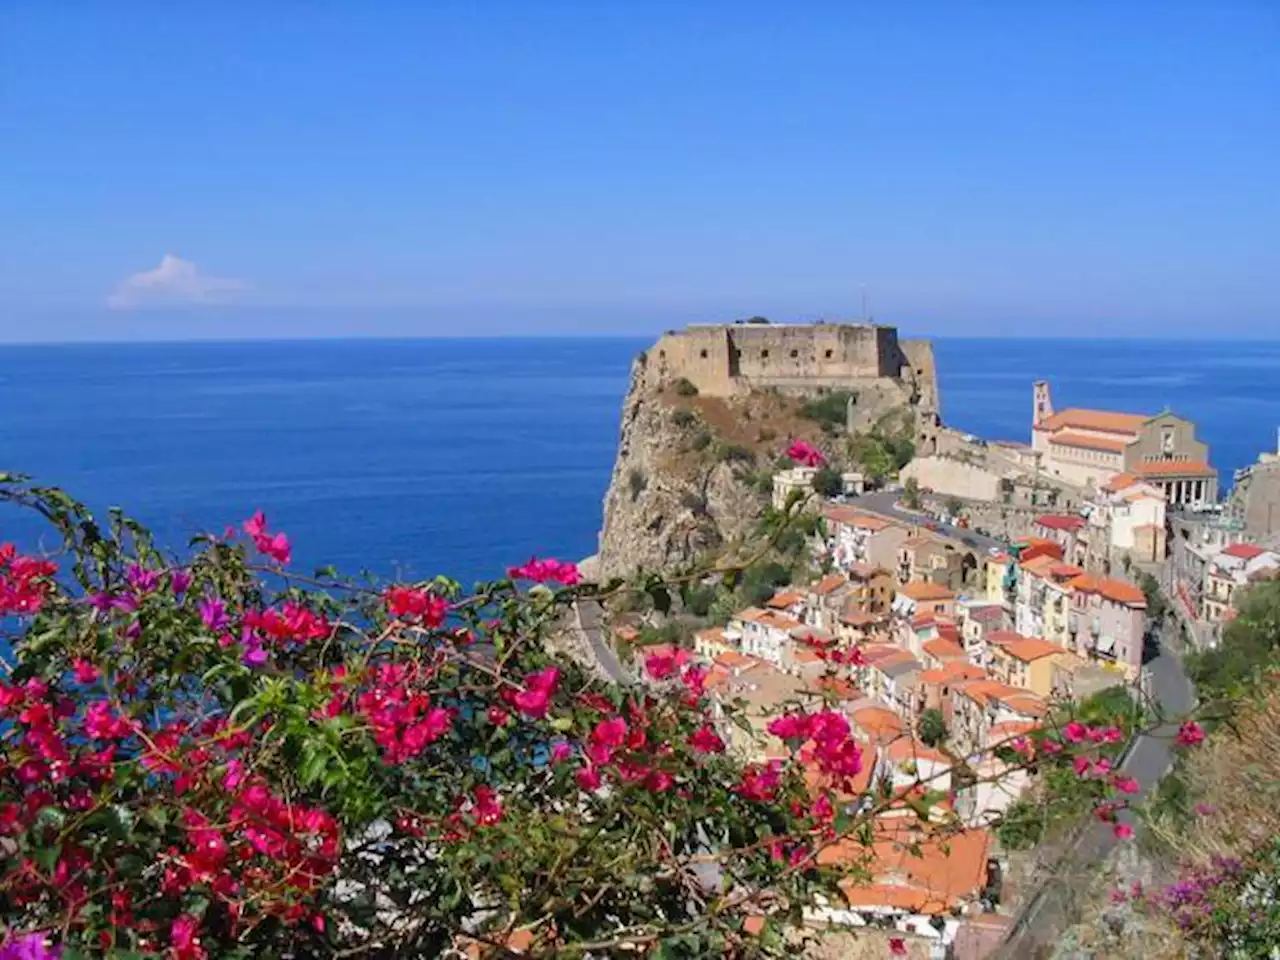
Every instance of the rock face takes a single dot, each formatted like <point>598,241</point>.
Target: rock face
<point>664,508</point>
<point>691,470</point>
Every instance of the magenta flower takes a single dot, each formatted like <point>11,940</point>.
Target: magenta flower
<point>140,579</point>
<point>29,946</point>
<point>179,581</point>
<point>1189,734</point>
<point>542,571</point>
<point>806,454</point>
<point>213,614</point>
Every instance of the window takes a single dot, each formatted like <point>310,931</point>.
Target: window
<point>703,354</point>
<point>827,355</point>
<point>764,354</point>
<point>794,354</point>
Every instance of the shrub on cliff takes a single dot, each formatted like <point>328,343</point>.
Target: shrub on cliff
<point>829,409</point>
<point>220,758</point>
<point>686,388</point>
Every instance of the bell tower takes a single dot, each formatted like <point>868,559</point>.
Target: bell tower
<point>1042,403</point>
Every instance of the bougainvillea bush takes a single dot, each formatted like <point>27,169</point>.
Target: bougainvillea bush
<point>218,758</point>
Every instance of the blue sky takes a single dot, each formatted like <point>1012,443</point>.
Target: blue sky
<point>1093,168</point>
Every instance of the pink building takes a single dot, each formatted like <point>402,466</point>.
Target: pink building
<point>1108,621</point>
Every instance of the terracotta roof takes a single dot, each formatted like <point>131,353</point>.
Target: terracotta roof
<point>1067,438</point>
<point>944,649</point>
<point>957,670</point>
<point>878,722</point>
<point>986,613</point>
<point>1026,703</point>
<point>1028,649</point>
<point>1065,571</point>
<point>1243,551</point>
<point>829,584</point>
<point>1121,481</point>
<point>1040,566</point>
<point>906,749</point>
<point>806,656</point>
<point>731,659</point>
<point>853,617</point>
<point>934,676</point>
<point>784,599</point>
<point>714,635</point>
<point>1040,548</point>
<point>768,618</point>
<point>1103,421</point>
<point>854,517</point>
<point>1118,591</point>
<point>1174,468</point>
<point>1010,728</point>
<point>926,591</point>
<point>921,871</point>
<point>1060,521</point>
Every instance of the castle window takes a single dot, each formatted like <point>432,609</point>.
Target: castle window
<point>794,354</point>
<point>662,354</point>
<point>764,354</point>
<point>703,354</point>
<point>827,354</point>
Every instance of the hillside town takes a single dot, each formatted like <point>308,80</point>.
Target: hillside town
<point>944,638</point>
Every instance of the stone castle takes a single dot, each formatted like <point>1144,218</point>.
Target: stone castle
<point>728,359</point>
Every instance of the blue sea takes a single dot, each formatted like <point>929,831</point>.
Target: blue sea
<point>462,456</point>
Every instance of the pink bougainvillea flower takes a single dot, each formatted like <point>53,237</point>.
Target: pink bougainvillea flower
<point>1074,732</point>
<point>790,726</point>
<point>560,751</point>
<point>486,805</point>
<point>663,665</point>
<point>1205,809</point>
<point>1051,746</point>
<point>897,947</point>
<point>588,778</point>
<point>534,701</point>
<point>29,946</point>
<point>542,571</point>
<point>694,679</point>
<point>411,603</point>
<point>610,733</point>
<point>1125,784</point>
<point>498,716</point>
<point>184,935</point>
<point>1110,735</point>
<point>1190,733</point>
<point>85,672</point>
<point>273,545</point>
<point>806,454</point>
<point>1122,831</point>
<point>213,614</point>
<point>706,740</point>
<point>179,582</point>
<point>658,781</point>
<point>1082,766</point>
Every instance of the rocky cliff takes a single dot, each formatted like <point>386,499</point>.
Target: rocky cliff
<point>693,472</point>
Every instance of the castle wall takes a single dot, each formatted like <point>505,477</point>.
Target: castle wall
<point>723,360</point>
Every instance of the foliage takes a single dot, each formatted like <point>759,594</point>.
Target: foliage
<point>761,582</point>
<point>932,727</point>
<point>953,506</point>
<point>1156,606</point>
<point>218,757</point>
<point>701,440</point>
<point>829,409</point>
<point>827,482</point>
<point>684,418</point>
<point>699,597</point>
<point>1022,826</point>
<point>734,453</point>
<point>911,493</point>
<point>686,388</point>
<point>1250,643</point>
<point>636,482</point>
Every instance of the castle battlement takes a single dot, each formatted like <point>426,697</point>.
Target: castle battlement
<point>726,359</point>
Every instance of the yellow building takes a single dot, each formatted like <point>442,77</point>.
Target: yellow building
<point>996,569</point>
<point>1027,662</point>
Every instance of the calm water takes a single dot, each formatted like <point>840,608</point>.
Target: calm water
<point>451,455</point>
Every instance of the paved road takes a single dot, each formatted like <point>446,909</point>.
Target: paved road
<point>1046,917</point>
<point>590,618</point>
<point>883,503</point>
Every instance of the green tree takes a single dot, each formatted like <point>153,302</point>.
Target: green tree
<point>1249,643</point>
<point>827,482</point>
<point>911,493</point>
<point>932,727</point>
<point>1156,606</point>
<point>953,506</point>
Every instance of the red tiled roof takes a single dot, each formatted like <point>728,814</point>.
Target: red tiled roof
<point>944,649</point>
<point>1243,551</point>
<point>907,749</point>
<point>1060,521</point>
<point>829,584</point>
<point>1121,481</point>
<point>1103,421</point>
<point>1028,649</point>
<point>926,591</point>
<point>1174,468</point>
<point>1118,591</point>
<point>784,599</point>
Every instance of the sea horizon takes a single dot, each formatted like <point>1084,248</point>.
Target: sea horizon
<point>462,455</point>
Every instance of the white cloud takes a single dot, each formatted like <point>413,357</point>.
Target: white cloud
<point>175,282</point>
